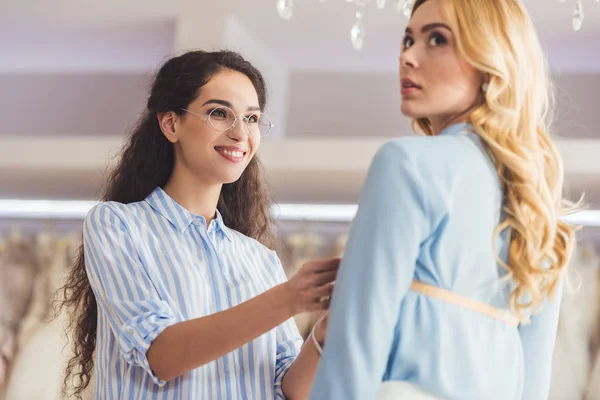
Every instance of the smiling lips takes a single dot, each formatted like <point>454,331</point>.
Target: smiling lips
<point>231,153</point>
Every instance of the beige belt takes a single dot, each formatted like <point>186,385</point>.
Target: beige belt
<point>464,302</point>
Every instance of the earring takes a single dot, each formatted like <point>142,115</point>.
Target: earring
<point>484,87</point>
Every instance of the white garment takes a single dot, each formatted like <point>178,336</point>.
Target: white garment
<point>580,310</point>
<point>593,390</point>
<point>396,390</point>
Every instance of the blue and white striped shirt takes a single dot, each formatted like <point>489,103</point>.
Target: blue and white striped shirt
<point>152,264</point>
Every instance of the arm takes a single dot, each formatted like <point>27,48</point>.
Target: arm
<point>538,339</point>
<point>296,363</point>
<point>299,377</point>
<point>297,372</point>
<point>376,271</point>
<point>146,327</point>
<point>190,344</point>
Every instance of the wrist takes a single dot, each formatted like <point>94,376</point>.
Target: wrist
<point>285,298</point>
<point>316,342</point>
<point>319,335</point>
<point>318,330</point>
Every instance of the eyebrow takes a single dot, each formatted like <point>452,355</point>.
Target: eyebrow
<point>429,27</point>
<point>228,104</point>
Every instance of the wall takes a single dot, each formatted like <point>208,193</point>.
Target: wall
<point>368,104</point>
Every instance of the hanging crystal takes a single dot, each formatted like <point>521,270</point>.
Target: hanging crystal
<point>578,16</point>
<point>360,3</point>
<point>285,8</point>
<point>357,34</point>
<point>381,4</point>
<point>405,7</point>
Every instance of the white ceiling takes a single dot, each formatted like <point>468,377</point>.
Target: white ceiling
<point>32,45</point>
<point>137,34</point>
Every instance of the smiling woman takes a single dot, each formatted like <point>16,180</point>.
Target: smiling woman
<point>204,144</point>
<point>175,292</point>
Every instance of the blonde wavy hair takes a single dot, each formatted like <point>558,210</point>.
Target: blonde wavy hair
<point>498,39</point>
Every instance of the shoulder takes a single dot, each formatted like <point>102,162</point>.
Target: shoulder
<point>419,148</point>
<point>111,214</point>
<point>417,166</point>
<point>427,155</point>
<point>104,213</point>
<point>398,157</point>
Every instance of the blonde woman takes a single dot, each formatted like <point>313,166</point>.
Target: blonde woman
<point>452,276</point>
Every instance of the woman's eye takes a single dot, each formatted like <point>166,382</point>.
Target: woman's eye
<point>217,112</point>
<point>437,40</point>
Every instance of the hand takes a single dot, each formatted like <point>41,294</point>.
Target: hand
<point>310,288</point>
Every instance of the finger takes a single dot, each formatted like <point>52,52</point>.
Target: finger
<point>325,278</point>
<point>319,266</point>
<point>324,305</point>
<point>324,291</point>
<point>320,305</point>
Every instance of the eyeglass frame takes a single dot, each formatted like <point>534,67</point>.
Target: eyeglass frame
<point>243,118</point>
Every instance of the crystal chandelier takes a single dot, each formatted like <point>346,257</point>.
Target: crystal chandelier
<point>285,9</point>
<point>578,14</point>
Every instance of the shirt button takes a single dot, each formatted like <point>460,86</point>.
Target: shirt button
<point>131,331</point>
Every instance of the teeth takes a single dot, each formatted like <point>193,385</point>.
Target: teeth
<point>237,154</point>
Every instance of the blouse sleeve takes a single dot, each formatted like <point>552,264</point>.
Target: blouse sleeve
<point>538,340</point>
<point>123,289</point>
<point>289,340</point>
<point>376,272</point>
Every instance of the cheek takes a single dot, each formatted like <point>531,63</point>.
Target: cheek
<point>198,142</point>
<point>456,84</point>
<point>254,143</point>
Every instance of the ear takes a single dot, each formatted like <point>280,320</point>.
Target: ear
<point>168,125</point>
<point>486,78</point>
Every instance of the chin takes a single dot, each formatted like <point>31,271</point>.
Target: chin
<point>408,111</point>
<point>230,178</point>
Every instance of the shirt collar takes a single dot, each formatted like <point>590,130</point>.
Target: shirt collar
<point>178,216</point>
<point>458,129</point>
<point>221,226</point>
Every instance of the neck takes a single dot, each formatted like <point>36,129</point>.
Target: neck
<point>438,125</point>
<point>194,194</point>
<point>441,122</point>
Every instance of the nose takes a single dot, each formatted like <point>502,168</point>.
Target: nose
<point>239,132</point>
<point>408,58</point>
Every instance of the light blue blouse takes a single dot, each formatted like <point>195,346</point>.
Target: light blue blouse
<point>428,211</point>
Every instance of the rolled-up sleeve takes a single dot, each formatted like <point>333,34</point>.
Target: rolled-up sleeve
<point>289,340</point>
<point>289,343</point>
<point>123,288</point>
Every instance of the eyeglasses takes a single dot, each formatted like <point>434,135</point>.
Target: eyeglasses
<point>223,119</point>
